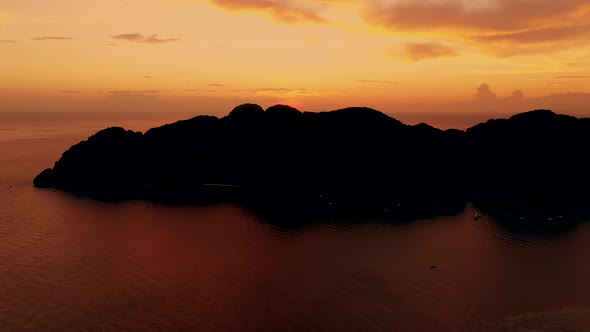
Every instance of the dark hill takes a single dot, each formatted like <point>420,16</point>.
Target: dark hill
<point>353,156</point>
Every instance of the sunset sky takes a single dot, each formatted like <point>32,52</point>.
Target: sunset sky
<point>208,56</point>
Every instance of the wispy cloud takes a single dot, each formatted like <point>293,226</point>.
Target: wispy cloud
<point>52,38</point>
<point>278,90</point>
<point>218,85</point>
<point>149,39</point>
<point>377,82</point>
<point>128,92</point>
<point>197,90</point>
<point>70,91</point>
<point>281,10</point>
<point>8,41</point>
<point>536,36</point>
<point>572,77</point>
<point>422,51</point>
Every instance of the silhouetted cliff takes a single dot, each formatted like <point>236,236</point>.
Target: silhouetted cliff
<point>352,156</point>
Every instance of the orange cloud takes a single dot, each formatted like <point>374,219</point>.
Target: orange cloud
<point>138,38</point>
<point>503,27</point>
<point>281,10</point>
<point>8,41</point>
<point>52,38</point>
<point>70,91</point>
<point>484,93</point>
<point>131,92</point>
<point>422,51</point>
<point>376,82</point>
<point>283,92</point>
<point>492,15</point>
<point>500,27</point>
<point>535,36</point>
<point>572,77</point>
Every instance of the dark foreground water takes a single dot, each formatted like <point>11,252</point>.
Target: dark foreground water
<point>69,263</point>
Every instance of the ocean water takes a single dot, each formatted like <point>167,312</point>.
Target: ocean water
<point>74,264</point>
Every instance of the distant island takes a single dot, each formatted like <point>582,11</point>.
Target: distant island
<point>349,157</point>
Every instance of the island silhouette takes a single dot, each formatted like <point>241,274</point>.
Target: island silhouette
<point>350,158</point>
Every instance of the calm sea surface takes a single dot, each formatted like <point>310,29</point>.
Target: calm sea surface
<point>70,263</point>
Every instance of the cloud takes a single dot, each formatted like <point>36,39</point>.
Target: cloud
<point>281,10</point>
<point>130,92</point>
<point>487,100</point>
<point>572,77</point>
<point>477,15</point>
<point>516,95</point>
<point>536,36</point>
<point>147,77</point>
<point>70,91</point>
<point>516,98</point>
<point>8,41</point>
<point>218,85</point>
<point>376,82</point>
<point>422,51</point>
<point>484,93</point>
<point>276,92</point>
<point>52,38</point>
<point>282,91</point>
<point>501,27</point>
<point>486,104</point>
<point>138,38</point>
<point>204,91</point>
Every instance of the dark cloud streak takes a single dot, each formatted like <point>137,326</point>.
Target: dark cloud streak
<point>422,51</point>
<point>116,92</point>
<point>572,77</point>
<point>376,82</point>
<point>56,38</point>
<point>139,38</point>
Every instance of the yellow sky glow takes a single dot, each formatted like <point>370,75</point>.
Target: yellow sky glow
<point>207,56</point>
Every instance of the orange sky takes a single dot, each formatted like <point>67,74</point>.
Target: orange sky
<point>208,56</point>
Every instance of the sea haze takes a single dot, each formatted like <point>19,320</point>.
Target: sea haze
<point>72,263</point>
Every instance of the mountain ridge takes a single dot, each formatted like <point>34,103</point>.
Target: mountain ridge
<point>354,155</point>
